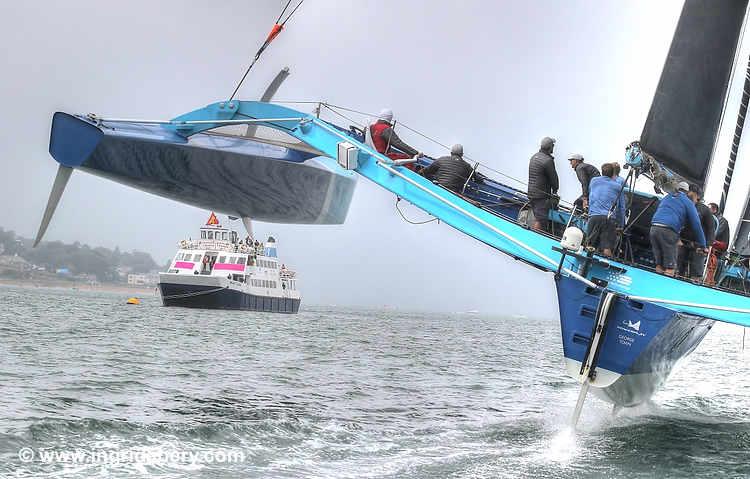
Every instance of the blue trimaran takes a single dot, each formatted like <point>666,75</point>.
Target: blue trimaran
<point>623,325</point>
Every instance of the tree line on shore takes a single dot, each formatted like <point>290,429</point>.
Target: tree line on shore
<point>76,257</point>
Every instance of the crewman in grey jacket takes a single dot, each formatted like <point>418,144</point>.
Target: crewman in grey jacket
<point>543,182</point>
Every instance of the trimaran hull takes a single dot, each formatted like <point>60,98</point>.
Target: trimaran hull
<point>672,315</point>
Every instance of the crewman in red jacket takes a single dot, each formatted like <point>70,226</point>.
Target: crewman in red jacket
<point>387,142</point>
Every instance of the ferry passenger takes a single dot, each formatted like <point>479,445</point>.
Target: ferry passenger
<point>543,183</point>
<point>606,210</point>
<point>673,212</point>
<point>387,142</point>
<point>452,171</point>
<point>585,173</point>
<point>690,260</point>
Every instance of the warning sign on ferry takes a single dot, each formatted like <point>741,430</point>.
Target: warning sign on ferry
<point>212,220</point>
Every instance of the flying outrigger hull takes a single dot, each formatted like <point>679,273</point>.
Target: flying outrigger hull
<point>232,175</point>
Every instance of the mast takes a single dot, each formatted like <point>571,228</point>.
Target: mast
<point>736,140</point>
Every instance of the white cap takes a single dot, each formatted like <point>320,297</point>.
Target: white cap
<point>575,156</point>
<point>683,186</point>
<point>386,114</point>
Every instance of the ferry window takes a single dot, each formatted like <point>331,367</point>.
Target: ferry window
<point>224,235</point>
<point>203,235</point>
<point>222,259</point>
<point>210,235</point>
<point>273,284</point>
<point>196,257</point>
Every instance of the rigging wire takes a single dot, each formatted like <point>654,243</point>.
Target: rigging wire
<point>275,30</point>
<point>401,213</point>
<point>332,107</point>
<point>282,12</point>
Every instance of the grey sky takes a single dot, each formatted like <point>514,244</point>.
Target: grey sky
<point>496,76</point>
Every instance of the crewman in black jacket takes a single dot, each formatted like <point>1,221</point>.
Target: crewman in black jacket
<point>691,259</point>
<point>543,183</point>
<point>722,225</point>
<point>584,172</point>
<point>452,172</point>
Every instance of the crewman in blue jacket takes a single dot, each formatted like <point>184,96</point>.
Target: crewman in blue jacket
<point>674,211</point>
<point>606,210</point>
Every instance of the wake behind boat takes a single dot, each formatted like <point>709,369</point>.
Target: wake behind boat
<point>221,271</point>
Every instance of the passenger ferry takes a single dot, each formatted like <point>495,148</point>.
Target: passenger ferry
<point>221,271</point>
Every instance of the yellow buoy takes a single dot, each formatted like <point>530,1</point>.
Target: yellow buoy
<point>133,301</point>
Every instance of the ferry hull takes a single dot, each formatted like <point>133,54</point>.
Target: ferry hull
<point>642,342</point>
<point>206,296</point>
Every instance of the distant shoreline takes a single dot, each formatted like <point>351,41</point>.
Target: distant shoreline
<point>105,288</point>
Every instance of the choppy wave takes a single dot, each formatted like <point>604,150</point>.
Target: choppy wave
<point>343,393</point>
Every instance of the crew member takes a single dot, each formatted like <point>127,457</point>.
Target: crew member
<point>722,226</point>
<point>543,183</point>
<point>691,259</point>
<point>673,212</point>
<point>387,142</point>
<point>719,246</point>
<point>452,172</point>
<point>606,210</point>
<point>585,172</point>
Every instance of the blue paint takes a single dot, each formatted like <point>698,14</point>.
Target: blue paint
<point>71,140</point>
<point>631,328</point>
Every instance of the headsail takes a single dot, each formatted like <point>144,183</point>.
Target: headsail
<point>685,114</point>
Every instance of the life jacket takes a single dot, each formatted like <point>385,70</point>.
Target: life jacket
<point>376,132</point>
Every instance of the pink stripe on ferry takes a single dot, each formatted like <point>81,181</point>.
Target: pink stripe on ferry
<point>183,265</point>
<point>231,267</point>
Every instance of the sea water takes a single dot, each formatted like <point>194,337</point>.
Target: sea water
<point>92,387</point>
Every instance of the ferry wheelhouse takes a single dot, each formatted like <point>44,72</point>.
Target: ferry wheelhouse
<point>221,271</point>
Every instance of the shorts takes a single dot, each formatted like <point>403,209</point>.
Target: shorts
<point>540,207</point>
<point>602,232</point>
<point>664,245</point>
<point>690,262</point>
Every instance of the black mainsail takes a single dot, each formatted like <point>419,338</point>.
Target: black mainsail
<point>685,116</point>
